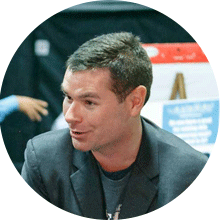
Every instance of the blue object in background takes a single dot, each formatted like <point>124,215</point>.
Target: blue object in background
<point>196,122</point>
<point>7,106</point>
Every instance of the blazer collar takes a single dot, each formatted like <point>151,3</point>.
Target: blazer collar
<point>147,158</point>
<point>141,190</point>
<point>88,187</point>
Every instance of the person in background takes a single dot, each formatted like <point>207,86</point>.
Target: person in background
<point>33,108</point>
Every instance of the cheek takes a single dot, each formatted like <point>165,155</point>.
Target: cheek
<point>106,118</point>
<point>97,119</point>
<point>114,118</point>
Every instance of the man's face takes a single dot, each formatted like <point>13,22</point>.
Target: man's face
<point>96,119</point>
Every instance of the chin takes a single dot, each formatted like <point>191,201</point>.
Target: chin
<point>80,147</point>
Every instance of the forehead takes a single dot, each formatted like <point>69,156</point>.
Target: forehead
<point>89,80</point>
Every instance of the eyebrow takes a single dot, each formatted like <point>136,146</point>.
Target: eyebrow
<point>84,95</point>
<point>89,95</point>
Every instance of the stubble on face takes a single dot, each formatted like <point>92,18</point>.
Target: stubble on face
<point>106,120</point>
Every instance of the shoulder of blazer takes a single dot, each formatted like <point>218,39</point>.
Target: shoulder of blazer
<point>173,150</point>
<point>51,148</point>
<point>52,143</point>
<point>54,150</point>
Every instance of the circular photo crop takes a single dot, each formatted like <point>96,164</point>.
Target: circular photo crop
<point>108,110</point>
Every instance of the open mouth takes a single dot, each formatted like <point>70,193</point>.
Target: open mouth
<point>75,132</point>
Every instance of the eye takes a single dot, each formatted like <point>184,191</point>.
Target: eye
<point>65,96</point>
<point>89,103</point>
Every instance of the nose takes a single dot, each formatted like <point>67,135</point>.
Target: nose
<point>72,113</point>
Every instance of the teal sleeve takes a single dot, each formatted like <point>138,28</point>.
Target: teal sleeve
<point>7,106</point>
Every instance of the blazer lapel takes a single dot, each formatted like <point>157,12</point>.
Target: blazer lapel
<point>142,187</point>
<point>88,188</point>
<point>139,196</point>
<point>141,190</point>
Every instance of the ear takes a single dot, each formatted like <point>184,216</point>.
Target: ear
<point>136,99</point>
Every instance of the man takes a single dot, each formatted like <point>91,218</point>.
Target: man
<point>111,163</point>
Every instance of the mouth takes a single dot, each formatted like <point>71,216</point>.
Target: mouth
<point>77,134</point>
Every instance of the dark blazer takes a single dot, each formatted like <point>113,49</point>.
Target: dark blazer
<point>70,179</point>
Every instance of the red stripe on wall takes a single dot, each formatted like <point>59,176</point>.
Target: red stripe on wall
<point>175,53</point>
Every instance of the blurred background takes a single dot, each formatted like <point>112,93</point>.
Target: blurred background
<point>38,66</point>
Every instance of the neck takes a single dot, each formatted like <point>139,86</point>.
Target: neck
<point>123,153</point>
